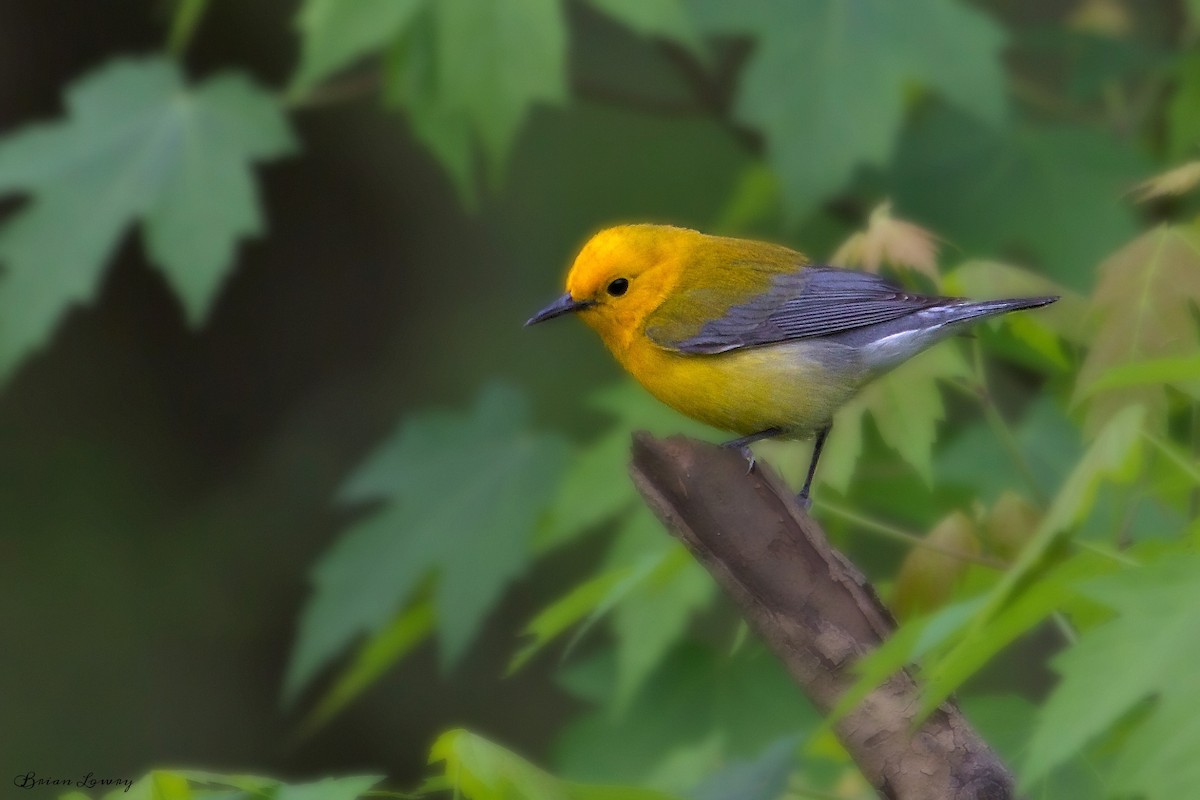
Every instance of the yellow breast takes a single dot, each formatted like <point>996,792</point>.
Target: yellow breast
<point>795,386</point>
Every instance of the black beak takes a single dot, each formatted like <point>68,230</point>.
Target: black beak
<point>563,305</point>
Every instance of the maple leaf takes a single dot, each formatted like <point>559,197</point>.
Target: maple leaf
<point>1149,650</point>
<point>461,496</point>
<point>891,241</point>
<point>1143,308</point>
<point>827,82</point>
<point>137,144</point>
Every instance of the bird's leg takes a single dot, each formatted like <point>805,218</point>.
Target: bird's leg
<point>812,466</point>
<point>742,444</point>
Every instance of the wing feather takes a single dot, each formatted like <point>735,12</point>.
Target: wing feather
<point>809,302</point>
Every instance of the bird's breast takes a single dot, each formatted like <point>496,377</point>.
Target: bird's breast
<point>795,386</point>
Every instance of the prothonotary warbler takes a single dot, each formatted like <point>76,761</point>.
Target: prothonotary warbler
<point>747,336</point>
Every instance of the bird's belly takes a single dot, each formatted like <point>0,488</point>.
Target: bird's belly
<point>795,386</point>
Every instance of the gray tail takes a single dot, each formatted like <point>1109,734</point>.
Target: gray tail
<point>970,310</point>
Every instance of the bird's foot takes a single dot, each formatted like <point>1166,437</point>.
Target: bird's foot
<point>804,500</point>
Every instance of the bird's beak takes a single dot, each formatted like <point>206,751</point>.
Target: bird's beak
<point>563,305</point>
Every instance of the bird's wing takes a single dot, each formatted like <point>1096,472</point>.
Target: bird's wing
<point>814,301</point>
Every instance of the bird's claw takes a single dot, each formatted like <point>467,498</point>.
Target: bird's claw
<point>746,452</point>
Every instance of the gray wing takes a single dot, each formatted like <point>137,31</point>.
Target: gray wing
<point>816,301</point>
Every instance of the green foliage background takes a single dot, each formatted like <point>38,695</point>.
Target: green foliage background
<point>286,490</point>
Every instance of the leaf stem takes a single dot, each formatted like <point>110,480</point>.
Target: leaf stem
<point>184,22</point>
<point>901,535</point>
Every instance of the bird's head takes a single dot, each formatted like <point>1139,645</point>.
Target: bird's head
<point>621,275</point>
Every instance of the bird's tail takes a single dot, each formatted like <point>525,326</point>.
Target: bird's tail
<point>971,310</point>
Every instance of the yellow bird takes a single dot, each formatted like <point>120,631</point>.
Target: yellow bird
<point>747,336</point>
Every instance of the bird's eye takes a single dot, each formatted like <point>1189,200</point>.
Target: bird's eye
<point>618,287</point>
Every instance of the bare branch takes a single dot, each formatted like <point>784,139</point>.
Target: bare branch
<point>816,611</point>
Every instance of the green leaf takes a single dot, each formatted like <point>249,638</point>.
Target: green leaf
<point>482,770</point>
<point>1147,652</point>
<point>653,616</point>
<point>376,655</point>
<point>763,778</point>
<point>187,784</point>
<point>668,19</point>
<point>1183,112</point>
<point>976,458</point>
<point>460,496</point>
<point>335,33</point>
<point>1006,723</point>
<point>1053,591</point>
<point>1145,307</point>
<point>596,488</point>
<point>579,603</point>
<point>1047,192</point>
<point>137,144</point>
<point>1114,456</point>
<point>470,71</point>
<point>329,788</point>
<point>827,80</point>
<point>746,702</point>
<point>1180,371</point>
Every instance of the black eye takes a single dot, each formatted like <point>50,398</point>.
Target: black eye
<point>618,287</point>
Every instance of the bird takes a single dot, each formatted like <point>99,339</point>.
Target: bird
<point>752,337</point>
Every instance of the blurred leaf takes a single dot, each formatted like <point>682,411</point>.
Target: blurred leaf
<point>1049,192</point>
<point>482,770</point>
<point>328,788</point>
<point>461,496</point>
<point>1145,309</point>
<point>335,33</point>
<point>470,71</point>
<point>1009,525</point>
<point>827,87</point>
<point>891,241</point>
<point>596,487</point>
<point>1114,456</point>
<point>1048,441</point>
<point>253,784</point>
<point>1102,17</point>
<point>1006,723</point>
<point>1052,591</point>
<point>653,616</point>
<point>585,600</point>
<point>747,701</point>
<point>927,576</point>
<point>200,785</point>
<point>763,778</point>
<point>374,657</point>
<point>1176,181</point>
<point>906,406</point>
<point>1183,111</point>
<point>137,144</point>
<point>1181,372</point>
<point>668,19</point>
<point>1147,652</point>
<point>754,199</point>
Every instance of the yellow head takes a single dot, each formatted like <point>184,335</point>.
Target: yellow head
<point>621,275</point>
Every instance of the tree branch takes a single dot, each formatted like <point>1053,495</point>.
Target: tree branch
<point>816,611</point>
